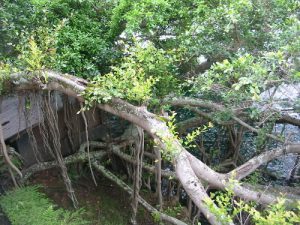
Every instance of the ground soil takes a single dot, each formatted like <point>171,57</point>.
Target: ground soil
<point>3,219</point>
<point>105,204</point>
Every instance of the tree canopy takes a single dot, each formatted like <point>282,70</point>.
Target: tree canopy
<point>177,69</point>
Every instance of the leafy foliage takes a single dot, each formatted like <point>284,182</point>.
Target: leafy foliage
<point>80,46</point>
<point>28,206</point>
<point>228,51</point>
<point>169,152</point>
<point>242,79</point>
<point>234,209</point>
<point>174,211</point>
<point>151,17</point>
<point>5,70</point>
<point>275,214</point>
<point>143,74</point>
<point>128,81</point>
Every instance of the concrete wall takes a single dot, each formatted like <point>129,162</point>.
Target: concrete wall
<point>12,117</point>
<point>14,126</point>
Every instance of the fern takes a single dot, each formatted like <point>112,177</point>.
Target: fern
<point>28,206</point>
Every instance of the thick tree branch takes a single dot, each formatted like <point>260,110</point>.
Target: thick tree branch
<point>193,103</point>
<point>116,149</point>
<point>222,181</point>
<point>288,119</point>
<point>237,174</point>
<point>286,191</point>
<point>188,168</point>
<point>250,166</point>
<point>190,102</point>
<point>254,130</point>
<point>194,187</point>
<point>77,157</point>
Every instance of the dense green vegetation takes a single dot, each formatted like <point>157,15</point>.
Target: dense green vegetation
<point>252,43</point>
<point>220,54</point>
<point>70,35</point>
<point>28,206</point>
<point>81,38</point>
<point>274,214</point>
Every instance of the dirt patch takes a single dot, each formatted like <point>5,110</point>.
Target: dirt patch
<point>105,204</point>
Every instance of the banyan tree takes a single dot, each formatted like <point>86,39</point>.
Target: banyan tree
<point>188,98</point>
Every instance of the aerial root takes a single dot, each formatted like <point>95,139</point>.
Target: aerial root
<point>143,202</point>
<point>75,158</point>
<point>8,161</point>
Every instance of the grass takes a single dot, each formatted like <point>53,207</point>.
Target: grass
<point>105,204</point>
<point>28,206</point>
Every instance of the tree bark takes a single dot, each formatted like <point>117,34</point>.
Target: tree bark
<point>250,166</point>
<point>75,158</point>
<point>189,170</point>
<point>158,173</point>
